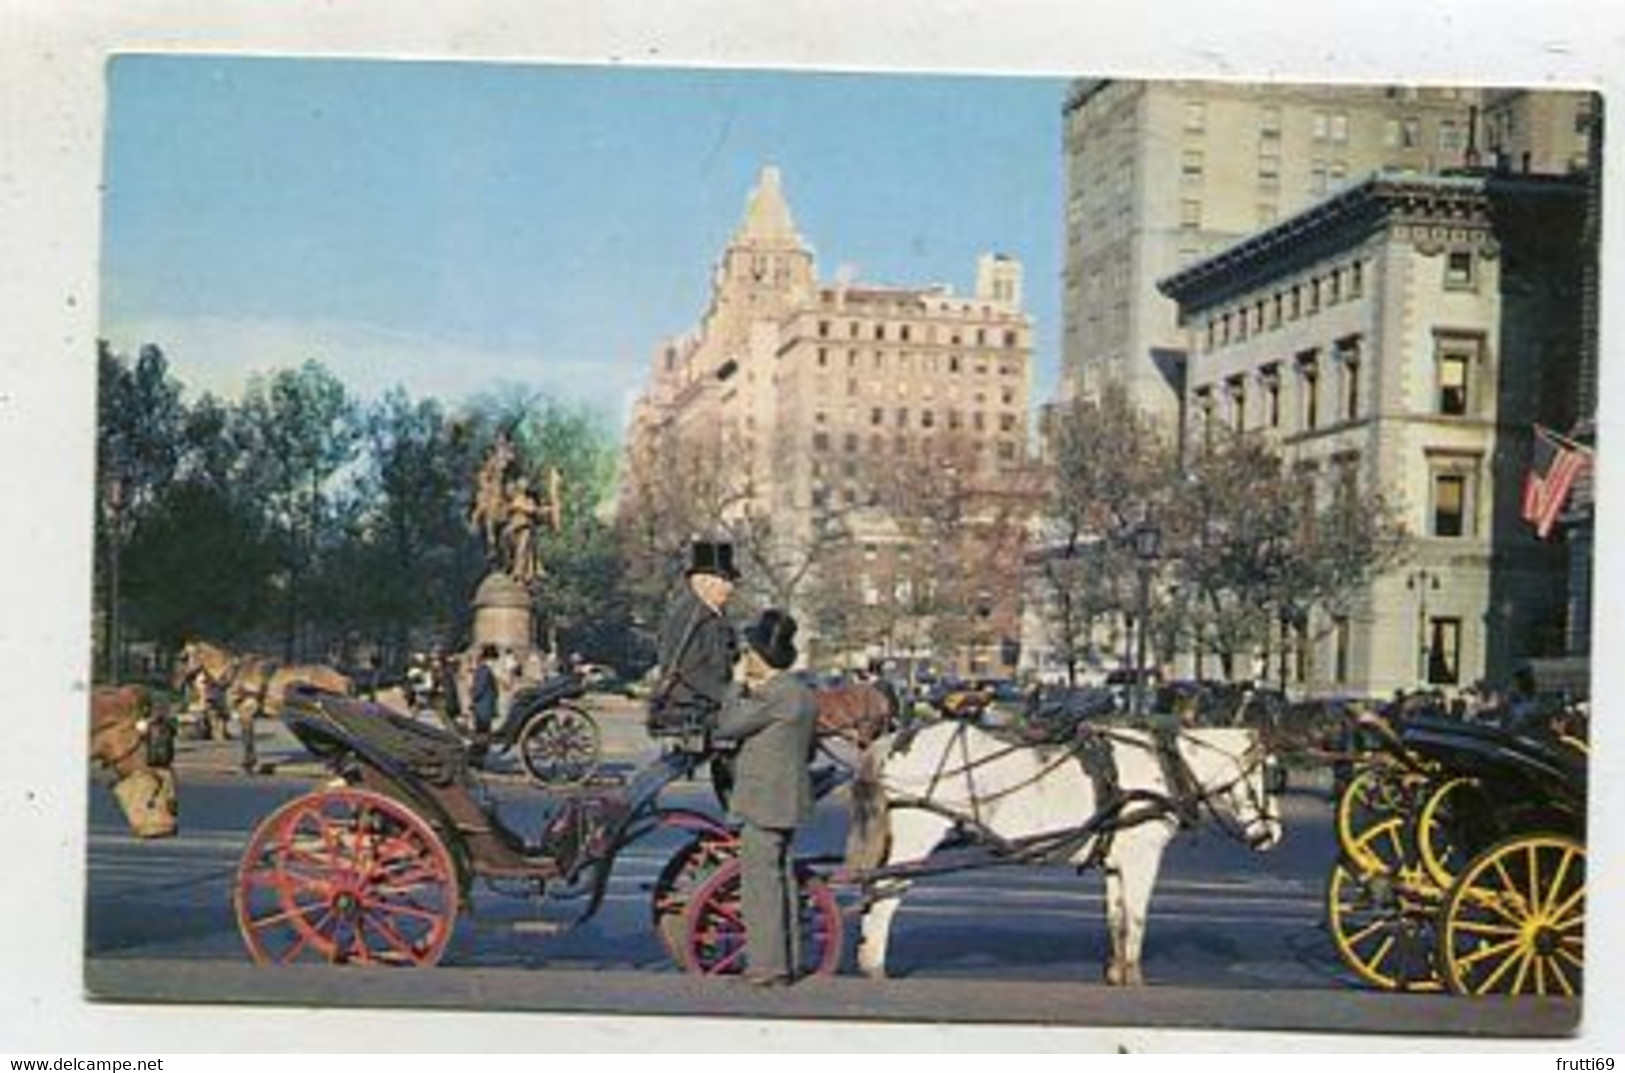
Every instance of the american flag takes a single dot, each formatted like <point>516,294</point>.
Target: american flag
<point>1556,464</point>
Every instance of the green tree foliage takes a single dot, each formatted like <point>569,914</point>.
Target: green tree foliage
<point>299,429</point>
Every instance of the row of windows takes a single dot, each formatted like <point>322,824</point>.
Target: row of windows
<point>1458,368</point>
<point>928,363</point>
<point>1337,284</point>
<point>953,420</point>
<point>905,333</point>
<point>1400,132</point>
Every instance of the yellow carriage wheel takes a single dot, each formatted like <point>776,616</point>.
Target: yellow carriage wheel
<point>1515,922</point>
<point>1380,911</point>
<point>1439,829</point>
<point>1372,797</point>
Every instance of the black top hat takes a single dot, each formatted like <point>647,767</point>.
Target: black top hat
<point>773,636</point>
<point>712,557</point>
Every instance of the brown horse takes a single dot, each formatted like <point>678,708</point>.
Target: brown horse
<point>858,712</point>
<point>123,725</point>
<point>249,686</point>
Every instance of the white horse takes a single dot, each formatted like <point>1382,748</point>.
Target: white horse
<point>1041,802</point>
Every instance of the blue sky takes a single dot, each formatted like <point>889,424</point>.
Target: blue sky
<point>452,227</point>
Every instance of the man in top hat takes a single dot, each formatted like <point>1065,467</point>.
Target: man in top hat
<point>697,646</point>
<point>773,716</point>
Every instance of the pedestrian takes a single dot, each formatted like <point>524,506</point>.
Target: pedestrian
<point>697,649</point>
<point>773,717</point>
<point>482,698</point>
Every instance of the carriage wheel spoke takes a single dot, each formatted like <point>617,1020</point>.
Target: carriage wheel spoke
<point>1514,958</point>
<point>1381,954</point>
<point>1365,932</point>
<point>1560,976</point>
<point>1484,927</point>
<point>1571,957</point>
<point>1489,951</point>
<point>1577,898</point>
<point>1556,886</point>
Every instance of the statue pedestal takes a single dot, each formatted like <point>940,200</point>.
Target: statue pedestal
<point>503,616</point>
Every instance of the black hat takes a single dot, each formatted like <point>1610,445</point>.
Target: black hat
<point>773,636</point>
<point>712,557</point>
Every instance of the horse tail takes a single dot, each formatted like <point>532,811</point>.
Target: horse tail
<point>868,835</point>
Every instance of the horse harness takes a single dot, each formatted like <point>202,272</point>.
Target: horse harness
<point>1117,809</point>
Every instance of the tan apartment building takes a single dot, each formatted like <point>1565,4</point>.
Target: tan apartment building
<point>1405,334</point>
<point>821,415</point>
<point>1161,175</point>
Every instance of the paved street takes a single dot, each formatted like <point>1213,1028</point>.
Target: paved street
<point>1001,943</point>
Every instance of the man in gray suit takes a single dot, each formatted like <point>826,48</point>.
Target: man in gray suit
<point>773,716</point>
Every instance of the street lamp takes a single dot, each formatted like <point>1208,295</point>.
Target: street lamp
<point>1422,582</point>
<point>1147,542</point>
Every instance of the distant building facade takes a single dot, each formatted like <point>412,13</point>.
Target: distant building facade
<point>1161,175</point>
<point>1405,334</point>
<point>806,405</point>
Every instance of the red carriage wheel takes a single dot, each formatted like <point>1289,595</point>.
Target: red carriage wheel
<point>694,862</point>
<point>714,927</point>
<point>346,876</point>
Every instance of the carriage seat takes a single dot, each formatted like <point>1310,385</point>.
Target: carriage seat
<point>328,724</point>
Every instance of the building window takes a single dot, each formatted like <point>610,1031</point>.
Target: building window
<point>1190,167</point>
<point>1319,124</point>
<point>1190,214</point>
<point>851,443</point>
<point>1236,388</point>
<point>1010,338</point>
<point>820,441</point>
<point>1451,490</point>
<point>902,417</point>
<point>1356,279</point>
<point>1456,361</point>
<point>1459,270</point>
<point>1317,177</point>
<point>1340,649</point>
<point>1007,451</point>
<point>1204,410</point>
<point>1449,136</point>
<point>1390,134</point>
<point>877,416</point>
<point>852,329</point>
<point>1269,122</point>
<point>1195,116</point>
<point>1444,651</point>
<point>1410,133</point>
<point>1348,362</point>
<point>823,329</point>
<point>880,331</point>
<point>1339,127</point>
<point>1270,375</point>
<point>928,418</point>
<point>1308,391</point>
<point>953,364</point>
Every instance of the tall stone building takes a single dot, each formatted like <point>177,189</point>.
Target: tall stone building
<point>1405,334</point>
<point>827,425</point>
<point>1161,175</point>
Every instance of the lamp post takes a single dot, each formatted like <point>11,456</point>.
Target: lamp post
<point>1422,582</point>
<point>1147,540</point>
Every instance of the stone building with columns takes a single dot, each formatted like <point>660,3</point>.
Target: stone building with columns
<point>1406,334</point>
<point>1163,174</point>
<point>799,411</point>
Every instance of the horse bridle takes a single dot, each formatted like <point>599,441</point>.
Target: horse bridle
<point>1248,763</point>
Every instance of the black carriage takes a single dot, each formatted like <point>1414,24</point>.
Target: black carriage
<point>1461,860</point>
<point>376,867</point>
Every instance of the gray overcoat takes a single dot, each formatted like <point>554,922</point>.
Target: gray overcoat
<point>702,670</point>
<point>775,727</point>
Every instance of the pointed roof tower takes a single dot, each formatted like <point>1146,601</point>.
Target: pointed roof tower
<point>767,220</point>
